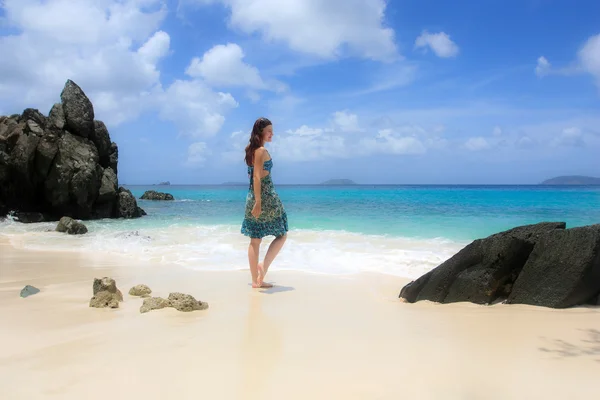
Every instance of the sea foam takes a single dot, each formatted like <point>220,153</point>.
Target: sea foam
<point>222,247</point>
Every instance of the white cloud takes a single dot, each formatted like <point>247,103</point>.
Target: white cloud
<point>197,153</point>
<point>477,144</point>
<point>327,29</point>
<point>569,137</point>
<point>440,43</point>
<point>195,108</point>
<point>589,57</point>
<point>223,65</point>
<point>112,49</point>
<point>305,131</point>
<point>497,131</point>
<point>388,141</point>
<point>345,121</point>
<point>543,66</point>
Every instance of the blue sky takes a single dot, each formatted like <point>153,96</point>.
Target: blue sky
<point>376,91</point>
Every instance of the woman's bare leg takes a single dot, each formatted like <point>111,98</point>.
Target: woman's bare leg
<point>272,252</point>
<point>253,250</point>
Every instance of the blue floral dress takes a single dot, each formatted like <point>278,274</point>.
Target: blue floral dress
<point>272,220</point>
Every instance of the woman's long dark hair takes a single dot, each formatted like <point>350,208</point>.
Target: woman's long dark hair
<point>255,139</point>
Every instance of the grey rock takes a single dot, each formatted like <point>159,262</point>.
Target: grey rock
<point>140,290</point>
<point>61,165</point>
<point>70,226</point>
<point>78,110</point>
<point>29,217</point>
<point>154,195</point>
<point>101,139</point>
<point>57,116</point>
<point>483,271</point>
<point>154,303</point>
<point>29,290</point>
<point>108,187</point>
<point>562,271</point>
<point>186,302</point>
<point>127,205</point>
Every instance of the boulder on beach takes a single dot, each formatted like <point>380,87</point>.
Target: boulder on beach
<point>71,226</point>
<point>154,195</point>
<point>140,290</point>
<point>106,293</point>
<point>60,165</point>
<point>542,264</point>
<point>154,303</point>
<point>29,290</point>
<point>186,302</point>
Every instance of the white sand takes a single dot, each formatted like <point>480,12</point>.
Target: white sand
<point>311,337</point>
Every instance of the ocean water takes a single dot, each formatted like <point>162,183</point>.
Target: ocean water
<point>399,230</point>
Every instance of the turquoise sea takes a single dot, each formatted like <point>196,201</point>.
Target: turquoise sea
<point>400,230</point>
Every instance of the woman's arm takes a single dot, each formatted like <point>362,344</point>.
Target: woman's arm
<point>259,156</point>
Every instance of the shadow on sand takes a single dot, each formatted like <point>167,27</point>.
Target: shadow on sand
<point>590,346</point>
<point>275,289</point>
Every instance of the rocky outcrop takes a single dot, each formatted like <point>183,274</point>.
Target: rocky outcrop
<point>61,165</point>
<point>140,290</point>
<point>179,301</point>
<point>154,195</point>
<point>186,302</point>
<point>70,226</point>
<point>154,303</point>
<point>542,264</point>
<point>106,293</point>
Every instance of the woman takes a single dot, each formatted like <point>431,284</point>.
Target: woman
<point>265,215</point>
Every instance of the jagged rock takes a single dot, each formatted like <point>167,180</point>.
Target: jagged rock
<point>56,117</point>
<point>108,187</point>
<point>101,139</point>
<point>29,290</point>
<point>78,110</point>
<point>106,293</point>
<point>113,157</point>
<point>154,303</point>
<point>483,271</point>
<point>186,302</point>
<point>140,290</point>
<point>61,165</point>
<point>562,271</point>
<point>70,226</point>
<point>154,195</point>
<point>107,285</point>
<point>127,206</point>
<point>104,300</point>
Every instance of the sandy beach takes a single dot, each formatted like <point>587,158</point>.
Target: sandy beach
<point>311,336</point>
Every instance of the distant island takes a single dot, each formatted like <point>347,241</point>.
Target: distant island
<point>339,182</point>
<point>167,183</point>
<point>572,180</point>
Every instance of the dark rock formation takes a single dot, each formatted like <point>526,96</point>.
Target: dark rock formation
<point>29,290</point>
<point>127,206</point>
<point>61,165</point>
<point>70,226</point>
<point>106,294</point>
<point>542,264</point>
<point>154,195</point>
<point>562,271</point>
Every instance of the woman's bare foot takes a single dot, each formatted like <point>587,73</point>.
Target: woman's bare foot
<point>264,285</point>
